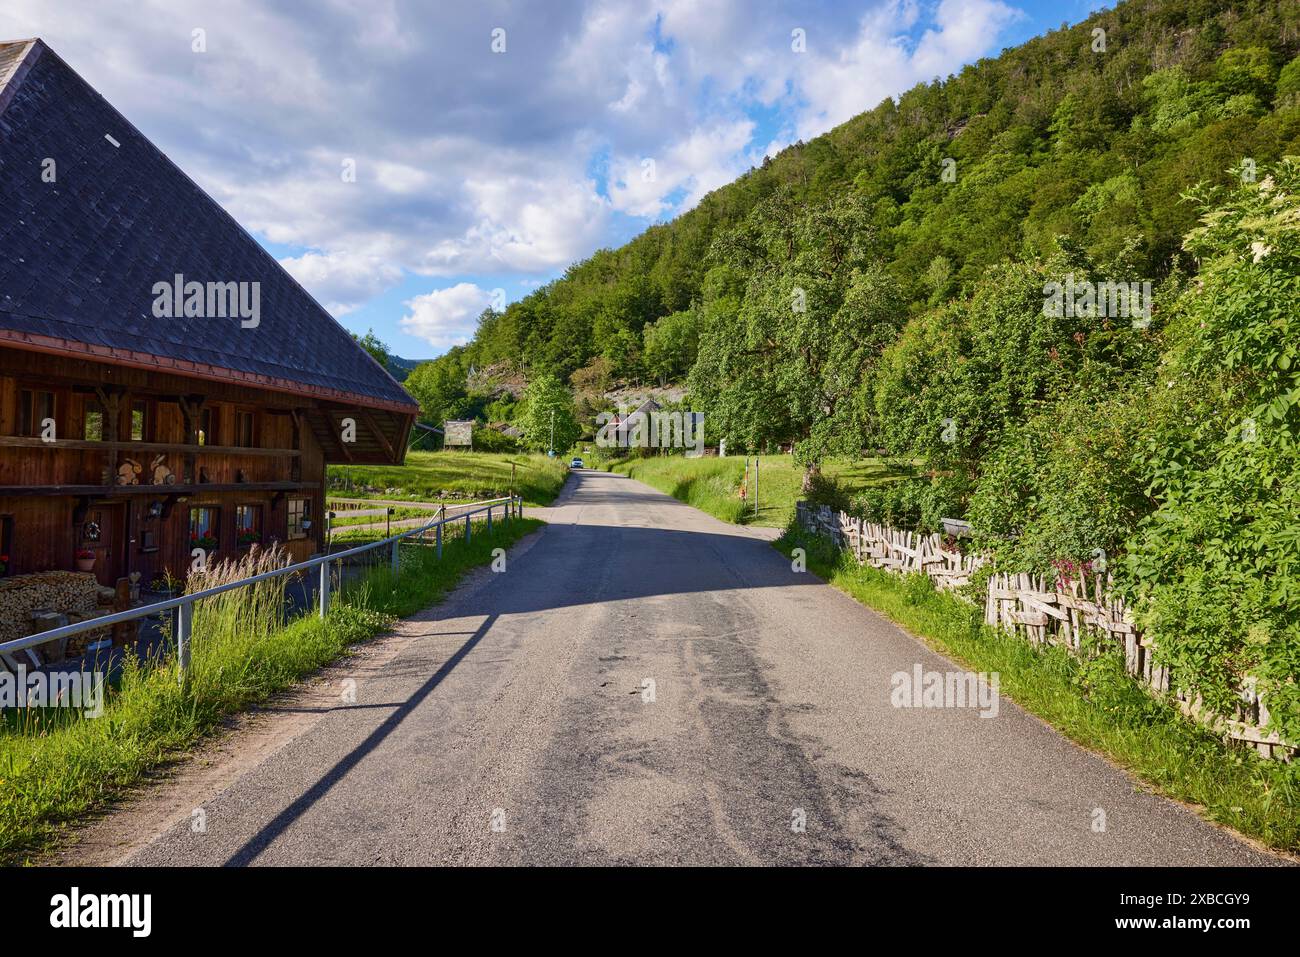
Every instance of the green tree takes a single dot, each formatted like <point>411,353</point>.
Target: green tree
<point>786,361</point>
<point>671,345</point>
<point>372,344</point>
<point>439,387</point>
<point>548,411</point>
<point>1216,568</point>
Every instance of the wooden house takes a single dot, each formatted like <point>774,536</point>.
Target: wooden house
<point>164,383</point>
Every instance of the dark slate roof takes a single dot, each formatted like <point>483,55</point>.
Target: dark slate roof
<point>81,255</point>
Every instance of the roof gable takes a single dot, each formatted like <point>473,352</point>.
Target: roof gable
<point>84,252</point>
<point>13,55</point>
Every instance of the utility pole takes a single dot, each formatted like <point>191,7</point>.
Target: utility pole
<point>552,443</point>
<point>756,486</point>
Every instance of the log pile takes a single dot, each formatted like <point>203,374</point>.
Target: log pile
<point>64,592</point>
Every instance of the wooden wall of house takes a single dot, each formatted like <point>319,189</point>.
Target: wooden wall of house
<point>39,532</point>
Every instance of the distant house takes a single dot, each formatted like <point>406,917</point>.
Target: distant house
<point>164,383</point>
<point>648,426</point>
<point>624,429</point>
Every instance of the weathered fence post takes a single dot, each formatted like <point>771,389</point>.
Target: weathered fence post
<point>489,520</point>
<point>323,593</point>
<point>438,537</point>
<point>184,630</point>
<point>467,526</point>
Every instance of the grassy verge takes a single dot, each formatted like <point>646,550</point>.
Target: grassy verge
<point>466,476</point>
<point>57,766</point>
<point>1094,703</point>
<point>712,484</point>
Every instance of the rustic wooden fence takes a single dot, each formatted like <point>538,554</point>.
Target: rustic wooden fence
<point>1043,611</point>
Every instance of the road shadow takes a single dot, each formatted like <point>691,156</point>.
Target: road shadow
<point>281,822</point>
<point>573,565</point>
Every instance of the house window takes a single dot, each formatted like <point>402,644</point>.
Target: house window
<point>139,421</point>
<point>299,517</point>
<point>244,430</point>
<point>248,524</point>
<point>205,525</point>
<point>92,422</point>
<point>35,407</point>
<point>207,426</point>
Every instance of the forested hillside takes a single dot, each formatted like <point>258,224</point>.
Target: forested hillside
<point>1053,138</point>
<point>887,287</point>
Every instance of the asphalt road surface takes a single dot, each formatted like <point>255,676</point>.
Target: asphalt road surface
<point>517,726</point>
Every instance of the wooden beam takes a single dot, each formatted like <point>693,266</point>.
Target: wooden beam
<point>110,400</point>
<point>85,445</point>
<point>379,434</point>
<point>295,467</point>
<point>115,491</point>
<point>405,442</point>
<point>191,407</point>
<point>337,438</point>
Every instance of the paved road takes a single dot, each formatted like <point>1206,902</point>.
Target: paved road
<point>523,697</point>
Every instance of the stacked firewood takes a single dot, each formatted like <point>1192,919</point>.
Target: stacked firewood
<point>70,593</point>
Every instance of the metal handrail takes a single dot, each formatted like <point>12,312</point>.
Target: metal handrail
<point>185,603</point>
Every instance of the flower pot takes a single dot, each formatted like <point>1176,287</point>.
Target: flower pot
<point>85,564</point>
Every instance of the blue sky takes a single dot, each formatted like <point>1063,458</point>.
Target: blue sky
<point>412,163</point>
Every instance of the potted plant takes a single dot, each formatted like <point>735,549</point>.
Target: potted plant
<point>4,565</point>
<point>207,541</point>
<point>248,536</point>
<point>85,560</point>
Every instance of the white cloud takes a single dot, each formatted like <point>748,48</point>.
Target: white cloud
<point>522,223</point>
<point>965,30</point>
<point>446,317</point>
<point>839,84</point>
<point>341,282</point>
<point>470,162</point>
<point>702,161</point>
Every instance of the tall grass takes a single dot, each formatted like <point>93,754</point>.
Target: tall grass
<point>1095,703</point>
<point>713,484</point>
<point>243,651</point>
<point>459,475</point>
